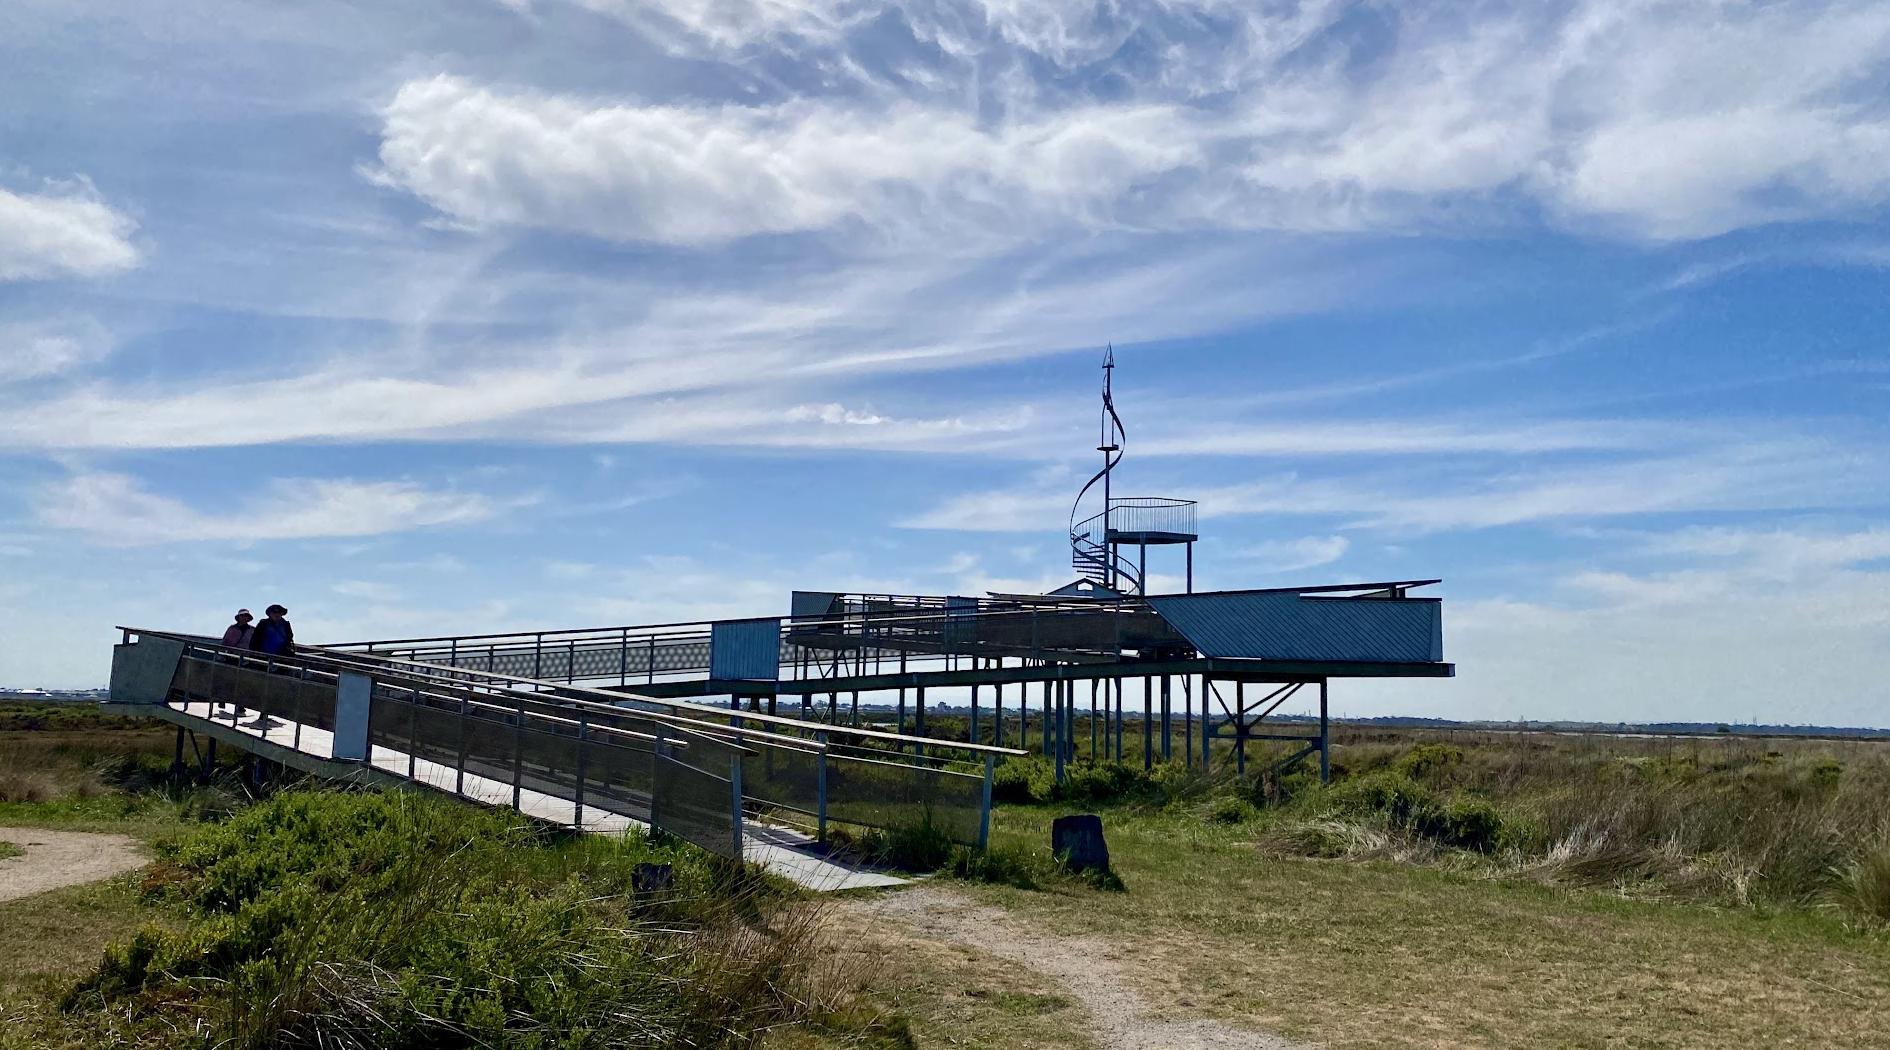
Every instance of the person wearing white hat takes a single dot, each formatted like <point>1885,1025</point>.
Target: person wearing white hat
<point>237,634</point>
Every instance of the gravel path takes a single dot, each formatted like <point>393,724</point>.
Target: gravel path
<point>1089,970</point>
<point>63,858</point>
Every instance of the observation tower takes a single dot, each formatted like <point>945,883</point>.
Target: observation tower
<point>1097,541</point>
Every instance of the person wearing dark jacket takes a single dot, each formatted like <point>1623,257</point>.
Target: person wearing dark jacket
<point>273,635</point>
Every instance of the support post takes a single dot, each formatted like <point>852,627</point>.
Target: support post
<point>984,810</point>
<point>1050,719</point>
<point>1240,728</point>
<point>1325,738</point>
<point>1207,725</point>
<point>1187,719</point>
<point>820,832</point>
<point>973,736</point>
<point>997,709</point>
<point>735,800</point>
<point>1168,750</point>
<point>1148,724</point>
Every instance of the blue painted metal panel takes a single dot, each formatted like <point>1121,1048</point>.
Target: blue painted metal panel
<point>958,611</point>
<point>812,603</point>
<point>745,649</point>
<point>1283,625</point>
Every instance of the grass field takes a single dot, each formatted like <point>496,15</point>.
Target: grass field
<point>1494,890</point>
<point>1448,890</point>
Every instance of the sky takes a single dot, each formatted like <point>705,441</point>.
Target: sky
<point>430,319</point>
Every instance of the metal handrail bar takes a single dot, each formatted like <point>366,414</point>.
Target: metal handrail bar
<point>616,632</point>
<point>516,697</point>
<point>719,712</point>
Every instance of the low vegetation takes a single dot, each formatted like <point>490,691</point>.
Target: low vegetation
<point>394,920</point>
<point>1726,821</point>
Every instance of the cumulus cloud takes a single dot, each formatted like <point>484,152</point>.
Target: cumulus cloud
<point>1660,121</point>
<point>67,231</point>
<point>119,509</point>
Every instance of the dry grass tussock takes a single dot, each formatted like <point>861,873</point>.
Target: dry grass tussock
<point>1755,823</point>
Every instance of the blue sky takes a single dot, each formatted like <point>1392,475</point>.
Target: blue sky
<point>430,319</point>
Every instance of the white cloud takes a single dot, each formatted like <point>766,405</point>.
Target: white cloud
<point>702,174</point>
<point>1304,553</point>
<point>41,349</point>
<point>118,509</point>
<point>1734,641</point>
<point>1662,121</point>
<point>1405,437</point>
<point>66,232</point>
<point>1760,474</point>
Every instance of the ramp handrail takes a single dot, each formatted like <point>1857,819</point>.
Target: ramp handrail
<point>813,774</point>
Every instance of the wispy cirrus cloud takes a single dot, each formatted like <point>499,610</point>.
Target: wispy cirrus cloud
<point>118,509</point>
<point>1649,121</point>
<point>1781,472</point>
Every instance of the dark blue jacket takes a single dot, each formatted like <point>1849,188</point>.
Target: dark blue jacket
<point>274,637</point>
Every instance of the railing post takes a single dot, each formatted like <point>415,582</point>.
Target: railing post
<point>459,755</point>
<point>570,662</point>
<point>623,658</point>
<point>413,734</point>
<point>518,757</point>
<point>584,733</point>
<point>659,753</point>
<point>652,675</point>
<point>735,800</point>
<point>984,810</point>
<point>820,834</point>
<point>538,655</point>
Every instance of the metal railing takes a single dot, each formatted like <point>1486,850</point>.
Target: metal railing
<point>1139,514</point>
<point>861,634</point>
<point>659,762</point>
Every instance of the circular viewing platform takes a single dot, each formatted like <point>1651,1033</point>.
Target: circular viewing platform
<point>1150,520</point>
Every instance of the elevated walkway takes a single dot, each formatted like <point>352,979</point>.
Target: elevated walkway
<point>735,789</point>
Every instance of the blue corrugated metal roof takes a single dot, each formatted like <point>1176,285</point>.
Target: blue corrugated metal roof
<point>1286,625</point>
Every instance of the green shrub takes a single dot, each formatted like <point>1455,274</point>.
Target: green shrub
<point>1467,823</point>
<point>1429,762</point>
<point>1400,800</point>
<point>1231,810</point>
<point>391,920</point>
<point>1026,780</point>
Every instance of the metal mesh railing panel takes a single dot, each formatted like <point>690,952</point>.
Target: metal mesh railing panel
<point>886,794</point>
<point>617,775</point>
<point>281,694</point>
<point>695,803</point>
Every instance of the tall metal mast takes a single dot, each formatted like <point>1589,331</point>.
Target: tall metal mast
<point>1109,443</point>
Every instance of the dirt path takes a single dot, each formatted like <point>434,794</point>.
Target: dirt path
<point>1092,971</point>
<point>63,858</point>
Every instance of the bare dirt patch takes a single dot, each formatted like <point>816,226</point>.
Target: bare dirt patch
<point>63,858</point>
<point>1092,971</point>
